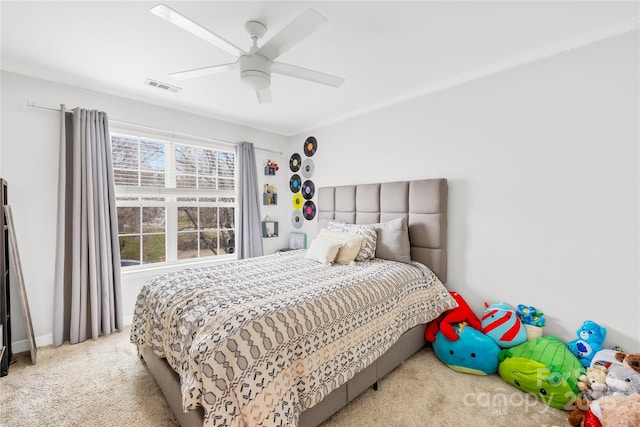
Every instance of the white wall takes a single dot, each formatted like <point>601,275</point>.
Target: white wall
<point>29,162</point>
<point>542,162</point>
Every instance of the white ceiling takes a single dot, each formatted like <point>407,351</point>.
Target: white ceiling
<point>386,50</point>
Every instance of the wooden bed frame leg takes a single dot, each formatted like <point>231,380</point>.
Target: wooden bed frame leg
<point>375,386</point>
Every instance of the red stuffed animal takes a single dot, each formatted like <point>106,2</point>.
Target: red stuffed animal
<point>462,313</point>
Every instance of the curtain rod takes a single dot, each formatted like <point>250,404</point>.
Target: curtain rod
<point>163,131</point>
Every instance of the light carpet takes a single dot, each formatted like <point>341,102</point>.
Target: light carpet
<point>103,383</point>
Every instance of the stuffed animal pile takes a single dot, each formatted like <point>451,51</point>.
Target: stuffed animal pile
<point>600,387</point>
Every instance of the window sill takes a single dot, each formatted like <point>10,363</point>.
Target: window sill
<point>151,270</point>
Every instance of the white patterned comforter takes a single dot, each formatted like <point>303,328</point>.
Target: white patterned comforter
<point>257,341</point>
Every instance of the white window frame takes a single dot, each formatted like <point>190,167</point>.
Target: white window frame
<point>171,193</point>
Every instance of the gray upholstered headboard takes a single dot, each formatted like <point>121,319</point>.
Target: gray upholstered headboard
<point>422,202</point>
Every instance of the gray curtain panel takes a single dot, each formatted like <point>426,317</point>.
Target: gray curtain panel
<point>87,290</point>
<point>249,239</point>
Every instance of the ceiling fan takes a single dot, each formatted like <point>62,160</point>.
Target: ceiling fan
<point>256,65</point>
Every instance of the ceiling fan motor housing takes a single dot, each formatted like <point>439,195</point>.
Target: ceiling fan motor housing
<point>255,71</point>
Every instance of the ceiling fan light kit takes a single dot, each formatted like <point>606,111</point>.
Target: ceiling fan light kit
<point>255,71</point>
<point>257,65</point>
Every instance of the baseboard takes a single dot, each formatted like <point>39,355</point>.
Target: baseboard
<point>23,345</point>
<point>45,340</point>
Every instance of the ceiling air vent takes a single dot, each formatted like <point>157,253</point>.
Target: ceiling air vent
<point>164,86</point>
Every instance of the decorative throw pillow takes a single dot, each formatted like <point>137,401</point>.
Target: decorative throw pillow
<point>393,240</point>
<point>350,245</point>
<point>366,231</point>
<point>323,250</point>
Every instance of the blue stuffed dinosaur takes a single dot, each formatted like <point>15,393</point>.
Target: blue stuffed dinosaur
<point>591,336</point>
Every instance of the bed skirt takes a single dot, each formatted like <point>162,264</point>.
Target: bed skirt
<point>408,344</point>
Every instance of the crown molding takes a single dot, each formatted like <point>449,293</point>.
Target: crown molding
<point>582,40</point>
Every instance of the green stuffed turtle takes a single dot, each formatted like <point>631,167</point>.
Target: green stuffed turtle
<point>544,368</point>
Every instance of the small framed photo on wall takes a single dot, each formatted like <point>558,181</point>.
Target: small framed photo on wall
<point>297,241</point>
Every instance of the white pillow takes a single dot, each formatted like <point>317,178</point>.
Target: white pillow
<point>323,250</point>
<point>366,231</point>
<point>393,240</point>
<point>350,245</point>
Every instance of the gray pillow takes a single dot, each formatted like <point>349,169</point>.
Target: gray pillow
<point>393,240</point>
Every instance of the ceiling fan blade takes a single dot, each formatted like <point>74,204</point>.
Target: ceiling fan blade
<point>176,18</point>
<point>204,71</point>
<point>297,30</point>
<point>264,96</point>
<point>306,74</point>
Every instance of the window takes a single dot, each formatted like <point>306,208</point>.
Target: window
<point>175,201</point>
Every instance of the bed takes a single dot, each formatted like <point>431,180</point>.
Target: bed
<point>269,345</point>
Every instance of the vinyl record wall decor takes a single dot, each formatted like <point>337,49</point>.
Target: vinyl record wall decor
<point>310,146</point>
<point>303,192</point>
<point>294,183</point>
<point>294,162</point>
<point>307,168</point>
